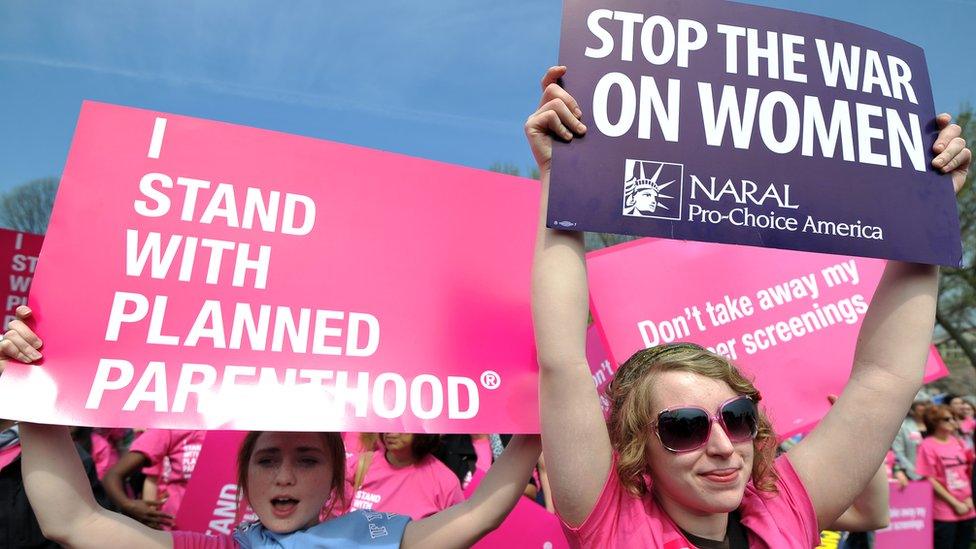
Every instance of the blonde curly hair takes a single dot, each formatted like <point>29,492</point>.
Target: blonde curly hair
<point>631,414</point>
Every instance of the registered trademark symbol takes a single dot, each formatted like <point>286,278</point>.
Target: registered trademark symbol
<point>490,379</point>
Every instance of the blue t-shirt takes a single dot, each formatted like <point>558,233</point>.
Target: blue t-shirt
<point>355,529</point>
<point>365,529</point>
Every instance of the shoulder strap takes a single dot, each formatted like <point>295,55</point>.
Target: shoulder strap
<point>365,459</point>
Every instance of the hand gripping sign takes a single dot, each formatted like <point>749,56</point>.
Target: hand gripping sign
<point>20,252</point>
<point>789,320</point>
<point>723,122</point>
<point>205,275</point>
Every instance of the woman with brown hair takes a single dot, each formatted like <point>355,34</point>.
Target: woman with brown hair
<point>686,459</point>
<point>402,476</point>
<point>945,460</point>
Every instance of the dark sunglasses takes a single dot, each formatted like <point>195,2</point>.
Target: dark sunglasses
<point>687,428</point>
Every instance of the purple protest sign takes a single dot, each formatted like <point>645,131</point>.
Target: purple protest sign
<point>723,122</point>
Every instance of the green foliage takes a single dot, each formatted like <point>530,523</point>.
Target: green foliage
<point>957,289</point>
<point>512,169</point>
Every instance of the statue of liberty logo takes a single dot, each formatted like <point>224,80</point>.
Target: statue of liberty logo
<point>645,196</point>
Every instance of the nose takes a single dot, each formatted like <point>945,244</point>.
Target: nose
<point>718,443</point>
<point>285,475</point>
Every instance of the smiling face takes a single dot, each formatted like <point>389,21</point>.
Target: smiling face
<point>711,479</point>
<point>289,479</point>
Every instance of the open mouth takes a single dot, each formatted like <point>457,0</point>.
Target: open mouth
<point>284,505</point>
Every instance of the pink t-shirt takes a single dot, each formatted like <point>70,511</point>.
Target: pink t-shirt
<point>775,521</point>
<point>482,447</point>
<point>172,456</point>
<point>950,463</point>
<point>416,491</point>
<point>103,454</point>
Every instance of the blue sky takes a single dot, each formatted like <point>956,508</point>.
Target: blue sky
<point>447,80</point>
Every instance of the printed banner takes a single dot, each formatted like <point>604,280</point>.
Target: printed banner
<point>204,275</point>
<point>911,518</point>
<point>723,122</point>
<point>210,504</point>
<point>529,525</point>
<point>788,319</point>
<point>21,251</point>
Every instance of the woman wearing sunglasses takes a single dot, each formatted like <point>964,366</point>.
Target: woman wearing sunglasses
<point>945,460</point>
<point>687,457</point>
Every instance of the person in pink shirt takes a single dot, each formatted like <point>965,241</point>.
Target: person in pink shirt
<point>946,462</point>
<point>103,452</point>
<point>167,455</point>
<point>482,447</point>
<point>687,456</point>
<point>402,476</point>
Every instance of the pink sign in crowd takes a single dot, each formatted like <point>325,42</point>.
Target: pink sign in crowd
<point>280,344</point>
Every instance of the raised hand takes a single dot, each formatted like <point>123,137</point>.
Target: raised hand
<point>953,155</point>
<point>558,114</point>
<point>19,342</point>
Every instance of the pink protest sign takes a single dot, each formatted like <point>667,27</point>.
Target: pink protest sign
<point>788,319</point>
<point>601,368</point>
<point>210,504</point>
<point>20,251</point>
<point>911,518</point>
<point>204,275</point>
<point>529,525</point>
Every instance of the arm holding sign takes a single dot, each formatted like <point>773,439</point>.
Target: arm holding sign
<point>575,439</point>
<point>888,366</point>
<point>55,481</point>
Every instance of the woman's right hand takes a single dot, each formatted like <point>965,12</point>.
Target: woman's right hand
<point>558,114</point>
<point>19,342</point>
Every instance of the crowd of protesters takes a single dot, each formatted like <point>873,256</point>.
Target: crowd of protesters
<point>688,456</point>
